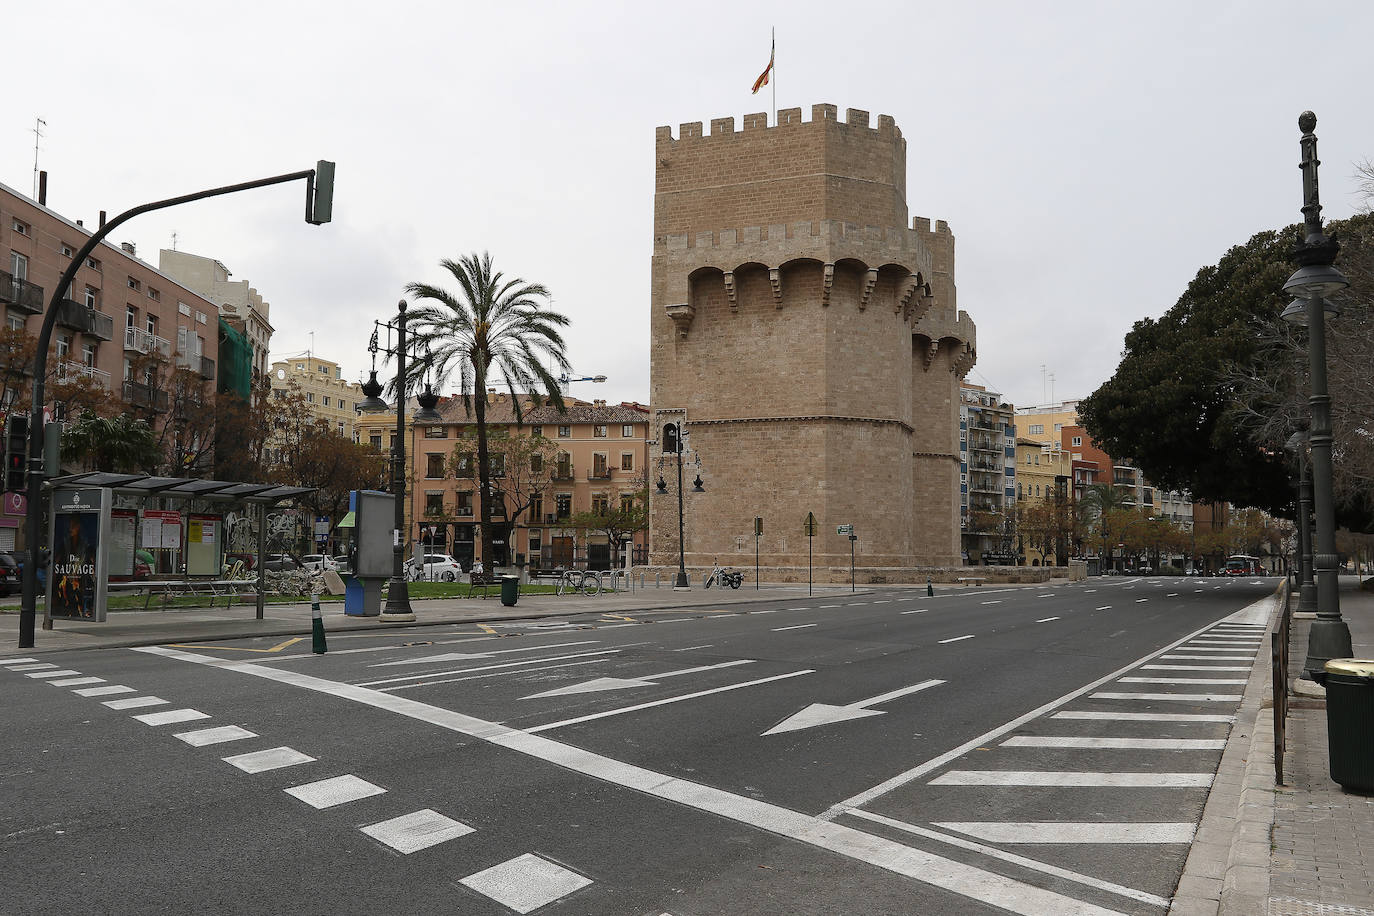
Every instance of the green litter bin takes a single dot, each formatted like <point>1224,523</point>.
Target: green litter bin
<point>1349,684</point>
<point>510,590</point>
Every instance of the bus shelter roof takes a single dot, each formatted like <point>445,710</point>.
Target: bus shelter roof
<point>181,487</point>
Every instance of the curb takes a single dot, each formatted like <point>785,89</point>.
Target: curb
<point>1227,871</point>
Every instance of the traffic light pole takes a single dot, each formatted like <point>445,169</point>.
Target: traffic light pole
<point>318,209</point>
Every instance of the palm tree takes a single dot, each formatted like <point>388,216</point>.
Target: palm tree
<point>112,443</point>
<point>1098,502</point>
<point>493,329</point>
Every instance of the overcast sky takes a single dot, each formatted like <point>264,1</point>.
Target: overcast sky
<point>1089,157</point>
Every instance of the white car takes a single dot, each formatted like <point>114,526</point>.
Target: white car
<point>437,566</point>
<point>318,562</point>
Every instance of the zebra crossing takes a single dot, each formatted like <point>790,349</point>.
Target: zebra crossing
<point>1103,796</point>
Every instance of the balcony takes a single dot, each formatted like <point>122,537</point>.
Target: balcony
<point>137,340</point>
<point>99,325</point>
<point>20,294</point>
<point>146,396</point>
<point>599,474</point>
<point>562,472</point>
<point>74,315</point>
<point>67,370</point>
<point>207,368</point>
<point>464,512</point>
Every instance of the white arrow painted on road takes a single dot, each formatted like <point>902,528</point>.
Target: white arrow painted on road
<point>467,656</point>
<point>621,683</point>
<point>825,714</point>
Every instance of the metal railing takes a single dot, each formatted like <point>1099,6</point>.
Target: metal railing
<point>21,293</point>
<point>140,395</point>
<point>140,341</point>
<point>1278,655</point>
<point>67,369</point>
<point>602,474</point>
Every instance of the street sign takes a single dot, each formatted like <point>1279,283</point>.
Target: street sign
<point>758,526</point>
<point>809,526</point>
<point>844,529</point>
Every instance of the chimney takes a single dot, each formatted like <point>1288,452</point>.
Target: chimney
<point>128,248</point>
<point>102,219</point>
<point>43,188</point>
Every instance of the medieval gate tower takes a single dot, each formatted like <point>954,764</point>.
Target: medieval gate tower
<point>810,345</point>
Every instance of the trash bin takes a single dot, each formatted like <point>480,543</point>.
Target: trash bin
<point>510,590</point>
<point>1349,684</point>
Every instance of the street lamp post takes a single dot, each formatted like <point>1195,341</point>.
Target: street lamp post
<point>397,609</point>
<point>319,205</point>
<point>672,444</point>
<point>1307,589</point>
<point>1311,283</point>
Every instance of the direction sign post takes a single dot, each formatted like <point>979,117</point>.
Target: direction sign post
<point>810,527</point>
<point>758,533</point>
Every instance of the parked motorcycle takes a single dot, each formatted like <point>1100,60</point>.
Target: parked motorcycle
<point>725,578</point>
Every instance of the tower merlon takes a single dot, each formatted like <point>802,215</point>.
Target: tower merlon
<point>821,114</point>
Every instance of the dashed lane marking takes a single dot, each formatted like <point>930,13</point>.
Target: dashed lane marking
<point>204,737</point>
<point>800,626</point>
<point>898,858</point>
<point>337,790</point>
<point>526,883</point>
<point>134,702</point>
<point>690,648</point>
<point>824,607</point>
<point>105,691</point>
<point>271,759</point>
<point>417,830</point>
<point>478,677</point>
<point>1105,607</point>
<point>77,681</point>
<point>469,656</point>
<point>955,639</point>
<point>171,716</point>
<point>1046,619</point>
<point>527,661</point>
<point>917,611</point>
<point>1073,779</point>
<point>40,666</point>
<point>10,663</point>
<point>66,672</point>
<point>998,601</point>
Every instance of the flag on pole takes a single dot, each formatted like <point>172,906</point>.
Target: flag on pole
<point>763,77</point>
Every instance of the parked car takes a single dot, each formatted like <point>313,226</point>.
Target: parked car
<point>439,566</point>
<point>21,557</point>
<point>9,575</point>
<point>280,562</point>
<point>318,562</point>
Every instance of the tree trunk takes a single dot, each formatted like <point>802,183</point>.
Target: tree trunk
<point>484,473</point>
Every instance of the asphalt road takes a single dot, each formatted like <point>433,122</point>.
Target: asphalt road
<point>1036,751</point>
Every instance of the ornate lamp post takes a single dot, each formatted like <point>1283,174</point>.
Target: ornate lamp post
<point>672,444</point>
<point>1311,283</point>
<point>1307,589</point>
<point>397,608</point>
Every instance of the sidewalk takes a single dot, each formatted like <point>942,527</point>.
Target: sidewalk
<point>145,628</point>
<point>1304,848</point>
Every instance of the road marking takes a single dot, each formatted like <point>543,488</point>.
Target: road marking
<point>1188,697</point>
<point>470,656</point>
<point>203,737</point>
<point>769,611</point>
<point>898,858</point>
<point>10,663</point>
<point>134,702</point>
<point>1123,744</point>
<point>1066,779</point>
<point>1105,607</point>
<point>856,604</point>
<point>919,770</point>
<point>917,611</point>
<point>904,599</point>
<point>417,830</point>
<point>1171,595</point>
<point>478,677</point>
<point>270,759</point>
<point>1046,619</point>
<point>1044,596</point>
<point>1089,591</point>
<point>526,883</point>
<point>337,790</point>
<point>1139,600</point>
<point>1237,657</point>
<point>800,626</point>
<point>104,691</point>
<point>486,629</point>
<point>1196,667</point>
<point>277,648</point>
<point>1066,832</point>
<point>618,617</point>
<point>664,702</point>
<point>77,681</point>
<point>955,639</point>
<point>171,716</point>
<point>1182,680</point>
<point>826,714</point>
<point>621,683</point>
<point>66,672</point>
<point>690,648</point>
<point>798,608</point>
<point>884,601</point>
<point>1145,716</point>
<point>40,666</point>
<point>998,601</point>
<point>1013,858</point>
<point>528,661</point>
<point>827,606</point>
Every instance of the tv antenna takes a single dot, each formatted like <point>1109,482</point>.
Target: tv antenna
<point>38,126</point>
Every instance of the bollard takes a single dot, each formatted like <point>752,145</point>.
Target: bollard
<point>930,589</point>
<point>317,626</point>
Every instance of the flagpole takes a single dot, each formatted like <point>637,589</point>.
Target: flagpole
<point>773,59</point>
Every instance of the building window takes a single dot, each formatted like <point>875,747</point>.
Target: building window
<point>536,536</point>
<point>154,295</point>
<point>465,503</point>
<point>310,397</point>
<point>200,317</point>
<point>67,251</point>
<point>564,432</point>
<point>537,508</point>
<point>563,504</point>
<point>15,322</point>
<point>536,465</point>
<point>537,431</point>
<point>599,431</point>
<point>627,461</point>
<point>601,504</point>
<point>434,502</point>
<point>92,263</point>
<point>431,432</point>
<point>92,297</point>
<point>1077,441</point>
<point>326,400</point>
<point>341,427</point>
<point>19,266</point>
<point>134,284</point>
<point>434,464</point>
<point>627,502</point>
<point>627,431</point>
<point>374,440</point>
<point>496,465</point>
<point>21,228</point>
<point>462,464</point>
<point>64,345</point>
<point>1036,429</point>
<point>600,466</point>
<point>88,354</point>
<point>184,309</point>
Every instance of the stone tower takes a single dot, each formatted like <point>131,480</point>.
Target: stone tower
<point>809,343</point>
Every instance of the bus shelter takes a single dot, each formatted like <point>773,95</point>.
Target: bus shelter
<point>104,533</point>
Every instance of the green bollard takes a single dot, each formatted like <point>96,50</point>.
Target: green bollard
<point>317,626</point>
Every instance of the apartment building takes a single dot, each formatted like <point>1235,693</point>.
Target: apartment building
<point>327,394</point>
<point>240,305</point>
<point>987,476</point>
<point>1044,423</point>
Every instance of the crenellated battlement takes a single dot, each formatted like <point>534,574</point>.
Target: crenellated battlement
<point>823,114</point>
<point>816,230</point>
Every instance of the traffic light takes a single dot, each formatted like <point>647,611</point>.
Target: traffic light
<point>16,452</point>
<point>319,194</point>
<point>671,445</point>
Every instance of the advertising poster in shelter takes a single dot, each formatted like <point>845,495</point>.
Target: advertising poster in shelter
<point>76,586</point>
<point>122,524</point>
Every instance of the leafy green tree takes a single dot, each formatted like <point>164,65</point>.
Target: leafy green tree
<point>619,522</point>
<point>493,329</point>
<point>119,444</point>
<point>1104,508</point>
<point>1206,395</point>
